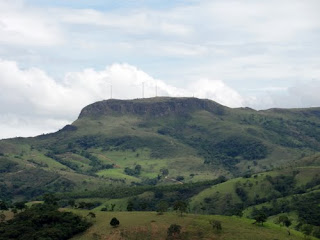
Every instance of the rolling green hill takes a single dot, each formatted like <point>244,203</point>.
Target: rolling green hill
<point>157,141</point>
<point>141,152</point>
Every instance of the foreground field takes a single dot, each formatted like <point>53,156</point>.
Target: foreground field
<point>149,225</point>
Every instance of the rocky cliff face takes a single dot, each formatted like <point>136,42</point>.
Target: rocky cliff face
<point>152,107</point>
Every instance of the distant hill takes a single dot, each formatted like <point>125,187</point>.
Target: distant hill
<point>157,141</point>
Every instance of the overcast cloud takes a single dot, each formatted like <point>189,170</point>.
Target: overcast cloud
<point>56,56</point>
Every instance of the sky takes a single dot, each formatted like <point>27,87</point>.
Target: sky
<point>58,56</point>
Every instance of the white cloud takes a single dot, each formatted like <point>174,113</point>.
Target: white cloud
<point>23,26</point>
<point>305,94</point>
<point>135,22</point>
<point>17,125</point>
<point>263,21</point>
<point>179,49</point>
<point>38,101</point>
<point>218,91</point>
<point>299,95</point>
<point>33,102</point>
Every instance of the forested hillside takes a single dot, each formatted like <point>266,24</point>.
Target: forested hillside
<point>132,155</point>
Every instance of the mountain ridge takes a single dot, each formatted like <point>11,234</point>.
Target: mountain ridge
<point>154,107</point>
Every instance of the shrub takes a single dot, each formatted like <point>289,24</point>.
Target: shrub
<point>173,231</point>
<point>114,222</point>
<point>216,225</point>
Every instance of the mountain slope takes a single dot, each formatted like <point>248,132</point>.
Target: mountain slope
<point>157,141</point>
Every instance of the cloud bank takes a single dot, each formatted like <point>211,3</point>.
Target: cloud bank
<point>32,100</point>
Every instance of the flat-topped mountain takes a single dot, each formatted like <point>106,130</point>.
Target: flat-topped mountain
<point>153,107</point>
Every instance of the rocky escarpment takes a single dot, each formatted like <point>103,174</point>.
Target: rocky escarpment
<point>153,107</point>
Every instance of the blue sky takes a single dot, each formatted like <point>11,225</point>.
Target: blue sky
<point>58,56</point>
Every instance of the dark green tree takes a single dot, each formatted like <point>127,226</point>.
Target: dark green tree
<point>20,205</point>
<point>180,206</point>
<point>113,206</point>
<point>72,203</point>
<point>130,206</point>
<point>162,207</point>
<point>41,221</point>
<point>306,229</point>
<point>50,199</point>
<point>173,231</point>
<point>91,215</point>
<point>259,216</point>
<point>216,225</point>
<point>137,169</point>
<point>164,172</point>
<point>316,232</point>
<point>114,222</point>
<point>3,206</point>
<point>2,217</point>
<point>284,220</point>
<point>14,211</point>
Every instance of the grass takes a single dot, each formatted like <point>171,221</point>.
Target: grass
<point>271,128</point>
<point>256,185</point>
<point>252,185</point>
<point>119,204</point>
<point>117,174</point>
<point>306,174</point>
<point>151,168</point>
<point>9,215</point>
<point>149,225</point>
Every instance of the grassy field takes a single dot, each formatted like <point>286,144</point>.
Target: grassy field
<point>149,225</point>
<point>256,186</point>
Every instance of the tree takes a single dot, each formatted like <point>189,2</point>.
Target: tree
<point>216,225</point>
<point>306,229</point>
<point>288,223</point>
<point>180,178</point>
<point>41,221</point>
<point>14,211</point>
<point>91,215</point>
<point>130,206</point>
<point>243,195</point>
<point>20,205</point>
<point>50,199</point>
<point>284,221</point>
<point>164,172</point>
<point>2,217</point>
<point>137,169</point>
<point>180,206</point>
<point>162,207</point>
<point>3,206</point>
<point>236,210</point>
<point>173,231</point>
<point>72,203</point>
<point>113,205</point>
<point>259,216</point>
<point>316,232</point>
<point>114,222</point>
